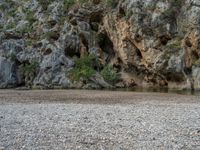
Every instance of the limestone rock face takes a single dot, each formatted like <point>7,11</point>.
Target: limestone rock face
<point>8,76</point>
<point>159,37</point>
<point>149,42</point>
<point>196,77</point>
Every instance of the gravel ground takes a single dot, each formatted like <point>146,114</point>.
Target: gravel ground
<point>98,120</point>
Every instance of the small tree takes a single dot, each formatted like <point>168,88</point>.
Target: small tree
<point>84,68</point>
<point>109,74</point>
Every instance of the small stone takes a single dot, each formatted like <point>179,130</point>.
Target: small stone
<point>2,148</point>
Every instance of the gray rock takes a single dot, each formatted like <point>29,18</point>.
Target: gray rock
<point>11,46</point>
<point>99,80</point>
<point>196,77</point>
<point>53,70</point>
<point>2,148</point>
<point>8,77</point>
<point>176,64</point>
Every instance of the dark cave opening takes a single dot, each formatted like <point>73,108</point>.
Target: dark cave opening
<point>95,20</point>
<point>118,65</point>
<point>164,39</point>
<point>84,41</point>
<point>139,54</point>
<point>96,17</point>
<point>106,45</point>
<point>47,51</point>
<point>188,43</point>
<point>94,26</point>
<point>22,69</point>
<point>138,38</point>
<point>195,55</point>
<point>122,12</point>
<point>176,77</point>
<point>71,52</point>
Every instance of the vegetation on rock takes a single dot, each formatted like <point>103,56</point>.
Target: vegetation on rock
<point>197,63</point>
<point>109,74</point>
<point>84,68</point>
<point>29,71</point>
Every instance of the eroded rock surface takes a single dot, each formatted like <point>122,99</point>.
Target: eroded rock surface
<point>149,42</point>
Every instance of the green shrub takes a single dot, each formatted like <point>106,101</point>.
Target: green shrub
<point>128,15</point>
<point>151,7</point>
<point>45,3</point>
<point>1,28</point>
<point>10,25</point>
<point>68,4</point>
<point>62,20</point>
<point>4,6</point>
<point>84,72</point>
<point>82,1</point>
<point>109,74</point>
<point>12,12</point>
<point>84,68</point>
<point>51,35</point>
<point>174,46</point>
<point>12,57</point>
<point>112,3</point>
<point>29,42</point>
<point>29,70</point>
<point>174,10</point>
<point>197,63</point>
<point>176,3</point>
<point>25,29</point>
<point>30,17</point>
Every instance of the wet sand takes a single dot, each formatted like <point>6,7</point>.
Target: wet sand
<point>91,97</point>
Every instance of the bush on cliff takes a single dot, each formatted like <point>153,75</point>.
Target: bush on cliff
<point>112,3</point>
<point>197,63</point>
<point>84,68</point>
<point>109,74</point>
<point>68,4</point>
<point>29,71</point>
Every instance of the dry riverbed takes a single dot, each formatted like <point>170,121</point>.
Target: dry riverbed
<point>80,119</point>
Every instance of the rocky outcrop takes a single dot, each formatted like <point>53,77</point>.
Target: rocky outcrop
<point>158,39</point>
<point>149,43</point>
<point>8,76</point>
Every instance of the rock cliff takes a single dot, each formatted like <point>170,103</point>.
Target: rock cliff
<point>147,43</point>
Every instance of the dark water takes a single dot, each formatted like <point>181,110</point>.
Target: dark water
<point>162,90</point>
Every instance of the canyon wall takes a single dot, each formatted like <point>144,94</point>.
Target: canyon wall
<point>149,43</point>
